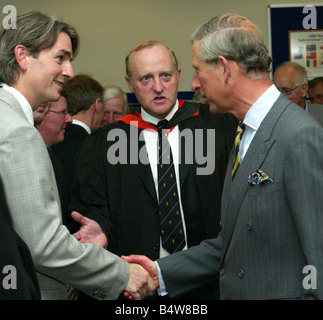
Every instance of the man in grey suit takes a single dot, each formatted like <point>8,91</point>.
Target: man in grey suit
<point>290,78</point>
<point>35,59</point>
<point>271,243</point>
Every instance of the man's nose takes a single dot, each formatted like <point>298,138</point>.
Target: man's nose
<point>196,86</point>
<point>158,85</point>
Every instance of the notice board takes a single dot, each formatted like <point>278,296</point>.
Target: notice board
<point>291,36</point>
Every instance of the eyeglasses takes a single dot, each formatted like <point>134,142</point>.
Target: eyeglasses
<point>288,91</point>
<point>63,113</point>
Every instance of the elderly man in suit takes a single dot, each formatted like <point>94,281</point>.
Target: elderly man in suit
<point>129,190</point>
<point>271,242</point>
<point>33,70</point>
<point>290,78</point>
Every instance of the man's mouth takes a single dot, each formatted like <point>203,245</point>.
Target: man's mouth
<point>60,84</point>
<point>160,99</point>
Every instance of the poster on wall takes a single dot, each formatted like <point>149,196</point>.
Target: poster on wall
<point>295,33</point>
<point>306,49</point>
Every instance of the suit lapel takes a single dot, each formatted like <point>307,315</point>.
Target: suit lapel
<point>234,191</point>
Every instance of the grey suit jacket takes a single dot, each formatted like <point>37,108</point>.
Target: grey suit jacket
<point>316,110</point>
<point>270,232</point>
<point>33,200</point>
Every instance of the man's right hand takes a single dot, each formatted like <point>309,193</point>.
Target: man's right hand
<point>140,284</point>
<point>149,266</point>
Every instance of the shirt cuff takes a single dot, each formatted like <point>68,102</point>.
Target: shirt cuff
<point>162,287</point>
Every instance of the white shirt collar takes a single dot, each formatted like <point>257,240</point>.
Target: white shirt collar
<point>25,105</point>
<point>83,125</point>
<point>149,118</point>
<point>261,107</point>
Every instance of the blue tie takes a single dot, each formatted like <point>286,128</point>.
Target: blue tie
<point>171,225</point>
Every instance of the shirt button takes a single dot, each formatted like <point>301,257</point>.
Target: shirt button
<point>222,272</point>
<point>249,226</point>
<point>157,212</point>
<point>241,273</point>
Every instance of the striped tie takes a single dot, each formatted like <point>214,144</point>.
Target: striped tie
<point>171,225</point>
<point>239,134</point>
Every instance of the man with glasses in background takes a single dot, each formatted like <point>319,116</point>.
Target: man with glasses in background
<point>291,79</point>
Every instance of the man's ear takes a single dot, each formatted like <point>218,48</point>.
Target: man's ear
<point>22,54</point>
<point>96,105</point>
<point>305,89</point>
<point>129,84</point>
<point>226,68</point>
<point>179,76</point>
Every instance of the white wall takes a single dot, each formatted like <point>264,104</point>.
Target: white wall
<point>110,28</point>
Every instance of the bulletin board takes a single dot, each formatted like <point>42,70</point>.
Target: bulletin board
<point>290,41</point>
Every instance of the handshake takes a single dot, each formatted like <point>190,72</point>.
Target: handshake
<point>143,279</point>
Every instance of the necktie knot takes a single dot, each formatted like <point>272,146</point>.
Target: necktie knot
<point>162,124</point>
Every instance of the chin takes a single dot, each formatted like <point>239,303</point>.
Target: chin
<point>214,108</point>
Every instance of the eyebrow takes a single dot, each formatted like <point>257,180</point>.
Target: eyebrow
<point>65,52</point>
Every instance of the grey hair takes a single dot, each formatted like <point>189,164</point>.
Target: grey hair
<point>37,32</point>
<point>301,73</point>
<point>114,92</point>
<point>236,38</point>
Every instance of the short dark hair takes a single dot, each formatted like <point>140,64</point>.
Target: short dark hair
<point>312,83</point>
<point>81,92</point>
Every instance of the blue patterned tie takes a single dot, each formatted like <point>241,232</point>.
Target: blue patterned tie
<point>171,225</point>
<point>239,134</point>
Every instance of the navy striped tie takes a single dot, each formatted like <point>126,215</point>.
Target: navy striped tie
<point>171,224</point>
<point>239,134</point>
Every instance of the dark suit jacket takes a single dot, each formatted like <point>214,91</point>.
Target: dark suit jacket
<point>62,190</point>
<point>14,252</point>
<point>271,231</point>
<point>67,153</point>
<point>124,194</point>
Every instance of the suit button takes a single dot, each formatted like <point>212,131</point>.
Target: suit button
<point>241,273</point>
<point>249,226</point>
<point>155,247</point>
<point>222,272</point>
<point>157,211</point>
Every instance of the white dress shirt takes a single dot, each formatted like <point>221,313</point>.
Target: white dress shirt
<point>255,116</point>
<point>151,141</point>
<point>83,125</point>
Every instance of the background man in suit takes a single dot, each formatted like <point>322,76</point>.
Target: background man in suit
<point>315,90</point>
<point>52,129</point>
<point>126,193</point>
<point>115,104</point>
<point>272,205</point>
<point>84,96</point>
<point>33,70</point>
<point>291,79</point>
